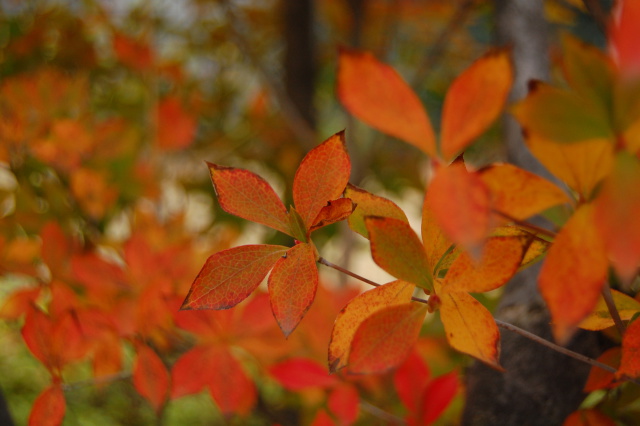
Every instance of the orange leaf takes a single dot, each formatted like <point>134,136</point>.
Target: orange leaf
<point>617,210</point>
<point>334,211</point>
<point>357,311</point>
<point>292,286</point>
<point>474,101</point>
<point>535,247</point>
<point>600,318</point>
<point>17,304</point>
<point>573,273</point>
<point>150,376</point>
<point>49,408</point>
<point>602,379</point>
<point>375,93</point>
<point>470,328</point>
<point>630,360</point>
<point>386,338</point>
<point>396,248</point>
<point>519,193</point>
<point>230,276</point>
<point>36,333</point>
<point>368,204</point>
<point>623,36</point>
<point>501,258</point>
<point>176,127</point>
<point>322,176</point>
<point>460,203</point>
<point>436,243</point>
<point>248,196</point>
<point>343,402</point>
<point>588,417</point>
<point>300,373</point>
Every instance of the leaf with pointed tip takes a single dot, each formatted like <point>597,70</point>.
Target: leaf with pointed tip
<point>246,195</point>
<point>603,379</point>
<point>617,210</point>
<point>292,286</point>
<point>150,376</point>
<point>368,204</point>
<point>48,408</point>
<point>573,273</point>
<point>376,94</point>
<point>334,211</point>
<point>470,328</point>
<point>581,165</point>
<point>357,311</point>
<point>519,193</point>
<point>630,361</point>
<point>600,318</point>
<point>322,176</point>
<point>474,101</point>
<point>301,373</point>
<point>438,396</point>
<point>386,338</point>
<point>396,248</point>
<point>230,276</point>
<point>500,260</point>
<point>560,115</point>
<point>460,202</point>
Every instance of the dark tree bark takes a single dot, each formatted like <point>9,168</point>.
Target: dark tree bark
<point>299,56</point>
<point>540,386</point>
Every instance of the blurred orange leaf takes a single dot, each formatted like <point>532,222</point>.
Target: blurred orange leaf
<point>176,126</point>
<point>573,273</point>
<point>474,101</point>
<point>602,379</point>
<point>375,93</point>
<point>630,360</point>
<point>588,417</point>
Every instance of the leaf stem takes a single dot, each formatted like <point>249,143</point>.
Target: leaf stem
<point>505,325</point>
<point>613,310</point>
<point>526,225</point>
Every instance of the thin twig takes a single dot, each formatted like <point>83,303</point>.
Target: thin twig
<point>381,414</point>
<point>526,225</point>
<point>506,326</point>
<point>613,310</point>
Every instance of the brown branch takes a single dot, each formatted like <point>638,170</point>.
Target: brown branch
<point>613,310</point>
<point>506,326</point>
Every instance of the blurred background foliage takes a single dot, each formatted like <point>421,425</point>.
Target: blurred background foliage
<point>108,110</point>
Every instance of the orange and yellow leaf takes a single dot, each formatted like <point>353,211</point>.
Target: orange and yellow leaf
<point>368,204</point>
<point>334,211</point>
<point>600,318</point>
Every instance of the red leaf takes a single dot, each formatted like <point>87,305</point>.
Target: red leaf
<point>49,408</point>
<point>573,273</point>
<point>474,101</point>
<point>396,248</point>
<point>229,276</point>
<point>150,376</point>
<point>588,417</point>
<point>300,373</point>
<point>602,379</point>
<point>624,34</point>
<point>292,286</point>
<point>188,376</point>
<point>376,94</point>
<point>630,361</point>
<point>410,380</point>
<point>460,203</point>
<point>322,176</point>
<point>343,402</point>
<point>250,197</point>
<point>18,303</point>
<point>230,387</point>
<point>385,339</point>
<point>176,127</point>
<point>438,396</point>
<point>37,332</point>
<point>322,418</point>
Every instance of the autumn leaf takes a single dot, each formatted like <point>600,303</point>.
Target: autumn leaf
<point>357,311</point>
<point>573,273</point>
<point>630,360</point>
<point>322,176</point>
<point>150,376</point>
<point>470,328</point>
<point>385,338</point>
<point>600,318</point>
<point>334,211</point>
<point>460,202</point>
<point>602,379</point>
<point>396,248</point>
<point>368,204</point>
<point>519,193</point>
<point>176,127</point>
<point>410,381</point>
<point>500,260</point>
<point>588,417</point>
<point>474,101</point>
<point>623,34</point>
<point>49,408</point>
<point>436,244</point>
<point>437,397</point>
<point>617,209</point>
<point>536,247</point>
<point>376,94</point>
<point>292,286</point>
<point>300,373</point>
<point>343,402</point>
<point>230,276</point>
<point>248,196</point>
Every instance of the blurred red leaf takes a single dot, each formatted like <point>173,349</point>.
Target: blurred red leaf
<point>630,360</point>
<point>49,408</point>
<point>176,126</point>
<point>623,36</point>
<point>343,402</point>
<point>411,379</point>
<point>150,376</point>
<point>301,373</point>
<point>588,417</point>
<point>602,379</point>
<point>437,397</point>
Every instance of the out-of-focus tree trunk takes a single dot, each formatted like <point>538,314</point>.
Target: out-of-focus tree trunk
<point>299,56</point>
<point>540,386</point>
<point>5,416</point>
